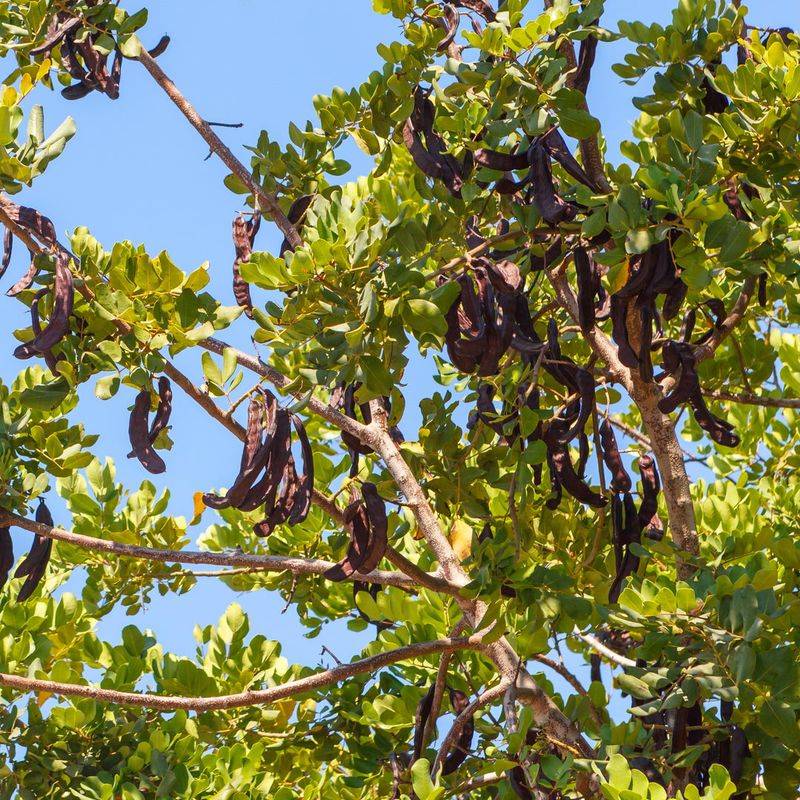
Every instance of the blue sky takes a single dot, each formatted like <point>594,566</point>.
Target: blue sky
<point>135,171</point>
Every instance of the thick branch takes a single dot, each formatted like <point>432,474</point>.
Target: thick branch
<point>296,566</point>
<point>606,652</point>
<point>249,698</point>
<point>267,202</point>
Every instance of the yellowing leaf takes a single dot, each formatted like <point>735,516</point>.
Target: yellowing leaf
<point>461,538</point>
<point>199,507</point>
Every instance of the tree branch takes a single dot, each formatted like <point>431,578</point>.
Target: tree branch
<point>296,566</point>
<point>754,399</point>
<point>267,202</point>
<point>249,698</point>
<point>604,651</point>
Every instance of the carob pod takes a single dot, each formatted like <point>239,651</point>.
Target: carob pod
<point>714,101</point>
<point>627,531</point>
<point>163,411</point>
<point>276,472</point>
<point>244,234</point>
<point>518,783</point>
<point>430,156</point>
<point>296,215</point>
<point>49,358</point>
<point>58,325</point>
<point>479,7</point>
<point>8,248</point>
<point>367,524</point>
<point>651,486</point>
<point>620,479</point>
<point>421,716</point>
<point>451,19</point>
<point>762,289</point>
<point>6,554</point>
<point>34,565</point>
<point>139,435</point>
<point>301,504</point>
<point>586,57</point>
<point>261,425</point>
<point>40,227</point>
<point>586,289</point>
<point>456,757</point>
<point>557,148</point>
<point>553,209</point>
<point>562,471</point>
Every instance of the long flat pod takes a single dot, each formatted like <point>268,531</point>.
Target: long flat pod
<point>358,528</point>
<point>34,565</point>
<point>557,148</point>
<point>302,500</point>
<point>586,289</point>
<point>456,757</point>
<point>378,527</point>
<point>264,491</point>
<point>620,479</point>
<point>651,486</point>
<point>244,233</point>
<point>421,716</point>
<point>58,326</point>
<point>139,435</point>
<point>6,554</point>
<point>451,19</point>
<point>554,209</point>
<point>261,429</point>
<point>50,359</point>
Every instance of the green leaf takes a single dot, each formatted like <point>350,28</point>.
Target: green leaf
<point>423,316</point>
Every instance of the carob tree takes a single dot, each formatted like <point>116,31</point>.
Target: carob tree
<point>579,575</point>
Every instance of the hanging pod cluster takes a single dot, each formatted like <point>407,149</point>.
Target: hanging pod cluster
<point>86,63</point>
<point>244,234</point>
<point>366,522</point>
<point>538,181</point>
<point>34,565</point>
<point>680,363</point>
<point>628,523</point>
<point>45,339</point>
<point>459,703</point>
<point>36,225</point>
<point>428,149</point>
<point>344,397</point>
<point>268,473</point>
<point>141,434</point>
<point>650,275</point>
<point>489,315</point>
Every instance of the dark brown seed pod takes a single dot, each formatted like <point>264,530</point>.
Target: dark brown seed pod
<point>6,554</point>
<point>161,47</point>
<point>451,19</point>
<point>479,7</point>
<point>553,209</point>
<point>586,57</point>
<point>619,331</point>
<point>651,486</point>
<point>718,429</point>
<point>50,359</point>
<point>500,162</point>
<point>302,499</point>
<point>8,247</point>
<point>56,32</point>
<point>34,565</point>
<point>265,490</point>
<point>557,148</point>
<point>261,426</point>
<point>762,289</point>
<point>456,757</point>
<point>58,326</point>
<point>629,533</point>
<point>679,356</point>
<point>620,479</point>
<point>139,435</point>
<point>423,712</point>
<point>368,526</point>
<point>296,215</point>
<point>244,234</point>
<point>378,527</point>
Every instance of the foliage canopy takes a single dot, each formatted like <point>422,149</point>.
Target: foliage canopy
<point>623,336</point>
